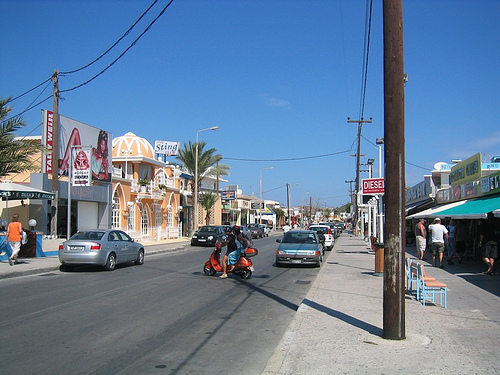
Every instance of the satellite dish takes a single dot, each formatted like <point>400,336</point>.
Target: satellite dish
<point>441,165</point>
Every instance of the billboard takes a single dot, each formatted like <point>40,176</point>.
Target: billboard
<point>167,148</point>
<point>466,171</point>
<point>75,135</point>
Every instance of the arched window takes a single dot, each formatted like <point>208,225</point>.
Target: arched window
<point>115,212</point>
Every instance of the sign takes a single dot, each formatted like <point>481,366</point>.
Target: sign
<point>466,171</point>
<point>373,186</point>
<point>167,148</point>
<point>81,167</point>
<point>228,195</point>
<point>256,206</point>
<point>48,141</point>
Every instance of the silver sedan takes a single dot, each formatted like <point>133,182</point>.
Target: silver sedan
<point>102,247</point>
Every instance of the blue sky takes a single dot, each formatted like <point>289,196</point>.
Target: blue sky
<point>279,78</point>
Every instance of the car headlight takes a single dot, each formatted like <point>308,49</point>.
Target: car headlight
<point>195,236</point>
<point>210,238</point>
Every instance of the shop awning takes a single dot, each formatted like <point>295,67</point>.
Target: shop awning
<point>473,208</point>
<point>12,191</point>
<point>435,211</point>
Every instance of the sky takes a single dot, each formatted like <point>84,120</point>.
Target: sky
<point>278,77</point>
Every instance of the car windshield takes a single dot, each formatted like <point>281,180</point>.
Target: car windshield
<point>298,237</point>
<point>87,235</point>
<point>208,229</point>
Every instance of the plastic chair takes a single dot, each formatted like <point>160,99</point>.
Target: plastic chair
<point>428,289</point>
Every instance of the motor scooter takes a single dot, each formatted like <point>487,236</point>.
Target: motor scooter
<point>243,268</point>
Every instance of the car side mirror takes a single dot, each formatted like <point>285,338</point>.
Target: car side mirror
<point>278,240</point>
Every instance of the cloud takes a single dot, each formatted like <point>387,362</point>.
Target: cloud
<point>278,103</point>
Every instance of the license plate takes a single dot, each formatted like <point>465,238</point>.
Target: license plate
<point>77,248</point>
<point>200,240</point>
<point>296,261</point>
<point>251,268</point>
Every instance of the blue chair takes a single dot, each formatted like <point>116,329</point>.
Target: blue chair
<point>428,289</point>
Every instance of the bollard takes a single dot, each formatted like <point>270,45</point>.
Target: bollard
<point>379,259</point>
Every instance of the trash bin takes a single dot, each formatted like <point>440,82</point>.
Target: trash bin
<point>379,259</point>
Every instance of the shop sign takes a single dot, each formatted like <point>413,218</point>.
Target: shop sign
<point>373,186</point>
<point>466,171</point>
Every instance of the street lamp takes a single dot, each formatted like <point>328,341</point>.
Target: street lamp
<point>380,142</point>
<point>196,175</point>
<point>260,201</point>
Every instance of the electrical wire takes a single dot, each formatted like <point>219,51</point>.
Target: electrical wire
<point>30,90</point>
<point>114,45</point>
<point>290,159</point>
<point>368,27</point>
<point>123,53</point>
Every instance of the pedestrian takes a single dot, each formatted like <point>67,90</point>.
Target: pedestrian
<point>452,245</point>
<point>14,236</point>
<point>488,243</point>
<point>421,238</point>
<point>439,235</point>
<point>286,228</point>
<point>460,236</point>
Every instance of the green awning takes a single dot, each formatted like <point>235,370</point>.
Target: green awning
<point>472,209</point>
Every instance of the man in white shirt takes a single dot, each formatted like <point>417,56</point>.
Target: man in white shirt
<point>439,235</point>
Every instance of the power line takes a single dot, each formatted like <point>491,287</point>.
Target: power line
<point>291,159</point>
<point>123,53</point>
<point>30,90</point>
<point>114,45</point>
<point>368,26</point>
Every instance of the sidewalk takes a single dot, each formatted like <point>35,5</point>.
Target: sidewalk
<point>338,328</point>
<point>30,266</point>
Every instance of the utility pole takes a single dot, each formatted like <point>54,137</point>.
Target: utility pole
<point>288,203</point>
<point>55,154</point>
<point>394,137</point>
<point>358,155</point>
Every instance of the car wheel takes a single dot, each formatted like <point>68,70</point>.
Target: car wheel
<point>65,267</point>
<point>140,258</point>
<point>209,271</point>
<point>110,263</point>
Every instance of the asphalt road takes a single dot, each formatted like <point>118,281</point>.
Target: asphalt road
<point>164,317</point>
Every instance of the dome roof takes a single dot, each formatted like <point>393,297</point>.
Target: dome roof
<point>136,146</point>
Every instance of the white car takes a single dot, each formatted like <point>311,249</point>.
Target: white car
<point>266,229</point>
<point>326,232</point>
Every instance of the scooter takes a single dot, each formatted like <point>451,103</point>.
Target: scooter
<point>243,268</point>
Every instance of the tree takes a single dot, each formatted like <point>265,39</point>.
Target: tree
<point>16,155</point>
<point>207,161</point>
<point>207,201</point>
<point>208,164</point>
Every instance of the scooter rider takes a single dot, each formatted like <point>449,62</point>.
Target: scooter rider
<point>236,243</point>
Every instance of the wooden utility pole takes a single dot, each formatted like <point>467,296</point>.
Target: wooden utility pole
<point>358,155</point>
<point>55,153</point>
<point>394,136</point>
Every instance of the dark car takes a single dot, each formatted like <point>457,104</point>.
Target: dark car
<point>256,230</point>
<point>299,247</point>
<point>207,235</point>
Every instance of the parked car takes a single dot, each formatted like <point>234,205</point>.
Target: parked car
<point>102,247</point>
<point>266,229</point>
<point>246,232</point>
<point>256,230</point>
<point>326,232</point>
<point>207,235</point>
<point>299,246</point>
<point>335,229</point>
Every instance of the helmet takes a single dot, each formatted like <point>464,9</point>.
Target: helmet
<point>228,229</point>
<point>236,229</point>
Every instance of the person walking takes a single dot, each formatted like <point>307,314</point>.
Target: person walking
<point>421,238</point>
<point>452,245</point>
<point>439,235</point>
<point>14,236</point>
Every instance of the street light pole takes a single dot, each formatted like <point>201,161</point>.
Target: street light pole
<point>195,224</point>
<point>260,197</point>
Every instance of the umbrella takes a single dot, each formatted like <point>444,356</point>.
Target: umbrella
<point>13,191</point>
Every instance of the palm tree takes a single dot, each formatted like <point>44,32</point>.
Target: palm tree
<point>16,155</point>
<point>207,161</point>
<point>208,164</point>
<point>207,201</point>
